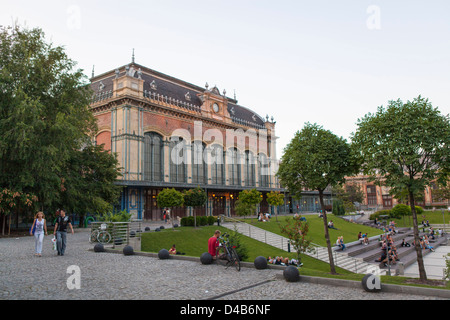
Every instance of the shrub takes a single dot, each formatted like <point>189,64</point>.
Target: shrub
<point>211,220</point>
<point>122,216</point>
<point>338,207</point>
<point>241,249</point>
<point>400,210</point>
<point>419,210</point>
<point>187,221</point>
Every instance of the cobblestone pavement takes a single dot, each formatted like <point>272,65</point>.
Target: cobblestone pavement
<point>108,276</point>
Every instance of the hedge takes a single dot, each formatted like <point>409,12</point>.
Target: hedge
<point>201,221</point>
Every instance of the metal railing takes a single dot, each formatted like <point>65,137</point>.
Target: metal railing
<point>275,240</point>
<point>120,232</point>
<point>262,235</point>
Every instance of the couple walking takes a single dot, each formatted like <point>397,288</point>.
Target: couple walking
<point>39,228</point>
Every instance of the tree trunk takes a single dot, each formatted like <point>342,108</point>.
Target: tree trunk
<point>3,225</point>
<point>422,273</point>
<point>327,235</point>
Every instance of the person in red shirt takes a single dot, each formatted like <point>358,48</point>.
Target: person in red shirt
<point>213,244</point>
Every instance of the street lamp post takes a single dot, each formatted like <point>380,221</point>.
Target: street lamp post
<point>443,219</point>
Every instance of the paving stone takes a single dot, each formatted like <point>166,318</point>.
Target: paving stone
<point>109,276</point>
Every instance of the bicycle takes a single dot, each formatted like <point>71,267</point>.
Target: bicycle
<point>229,254</point>
<point>100,235</point>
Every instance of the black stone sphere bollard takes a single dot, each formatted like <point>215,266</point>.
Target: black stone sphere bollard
<point>147,228</point>
<point>291,274</point>
<point>118,241</point>
<point>206,258</point>
<point>163,254</point>
<point>371,283</point>
<point>175,225</point>
<point>128,250</point>
<point>260,263</point>
<point>157,229</point>
<point>132,234</point>
<point>99,248</point>
<point>161,228</point>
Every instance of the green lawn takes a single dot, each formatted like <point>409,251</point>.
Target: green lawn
<point>348,230</point>
<point>194,241</point>
<point>434,217</point>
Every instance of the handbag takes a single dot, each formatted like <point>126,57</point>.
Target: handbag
<point>33,227</point>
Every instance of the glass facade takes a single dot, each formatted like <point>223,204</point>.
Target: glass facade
<point>153,157</point>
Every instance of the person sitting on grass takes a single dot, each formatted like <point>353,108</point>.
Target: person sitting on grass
<point>331,225</point>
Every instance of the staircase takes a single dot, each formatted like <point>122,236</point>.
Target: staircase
<point>341,259</point>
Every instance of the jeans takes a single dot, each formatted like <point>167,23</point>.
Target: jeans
<point>61,239</point>
<point>38,240</point>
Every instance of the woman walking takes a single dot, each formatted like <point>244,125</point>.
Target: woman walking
<point>40,227</point>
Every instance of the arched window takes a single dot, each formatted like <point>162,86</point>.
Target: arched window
<point>153,157</point>
<point>177,159</point>
<point>263,170</point>
<point>199,166</point>
<point>249,169</point>
<point>234,167</point>
<point>217,162</point>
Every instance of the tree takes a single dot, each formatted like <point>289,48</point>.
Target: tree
<point>248,202</point>
<point>44,114</point>
<point>297,230</point>
<point>314,159</point>
<point>275,199</point>
<point>93,169</point>
<point>442,191</point>
<point>406,146</point>
<point>346,196</point>
<point>170,198</point>
<point>195,198</point>
<point>11,200</point>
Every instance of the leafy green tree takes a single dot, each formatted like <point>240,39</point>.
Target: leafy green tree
<point>248,202</point>
<point>93,169</point>
<point>243,209</point>
<point>314,159</point>
<point>275,199</point>
<point>338,207</point>
<point>195,198</point>
<point>11,200</point>
<point>44,114</point>
<point>406,146</point>
<point>297,231</point>
<point>170,198</point>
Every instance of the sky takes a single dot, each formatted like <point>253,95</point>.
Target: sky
<point>325,62</point>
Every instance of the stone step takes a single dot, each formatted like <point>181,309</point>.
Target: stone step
<point>343,260</point>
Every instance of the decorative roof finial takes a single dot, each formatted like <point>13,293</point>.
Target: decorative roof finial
<point>235,94</point>
<point>93,71</point>
<point>132,57</point>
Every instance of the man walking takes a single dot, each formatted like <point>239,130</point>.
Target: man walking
<point>61,231</point>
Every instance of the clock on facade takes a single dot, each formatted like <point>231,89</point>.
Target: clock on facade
<point>216,107</point>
